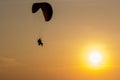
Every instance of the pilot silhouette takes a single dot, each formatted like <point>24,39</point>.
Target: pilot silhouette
<point>40,42</point>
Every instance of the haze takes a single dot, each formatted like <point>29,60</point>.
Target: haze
<point>74,25</point>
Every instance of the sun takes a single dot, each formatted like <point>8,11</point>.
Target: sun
<point>95,57</point>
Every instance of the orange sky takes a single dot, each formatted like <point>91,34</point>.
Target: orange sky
<point>75,25</point>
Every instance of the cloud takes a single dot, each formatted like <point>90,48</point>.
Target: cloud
<point>8,62</point>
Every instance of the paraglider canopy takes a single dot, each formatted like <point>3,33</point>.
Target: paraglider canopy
<point>46,9</point>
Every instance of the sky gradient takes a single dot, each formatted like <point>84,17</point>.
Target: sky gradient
<point>75,24</point>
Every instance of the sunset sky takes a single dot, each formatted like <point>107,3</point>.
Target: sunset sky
<point>77,29</point>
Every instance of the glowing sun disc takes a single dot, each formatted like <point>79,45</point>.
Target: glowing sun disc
<point>95,57</point>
